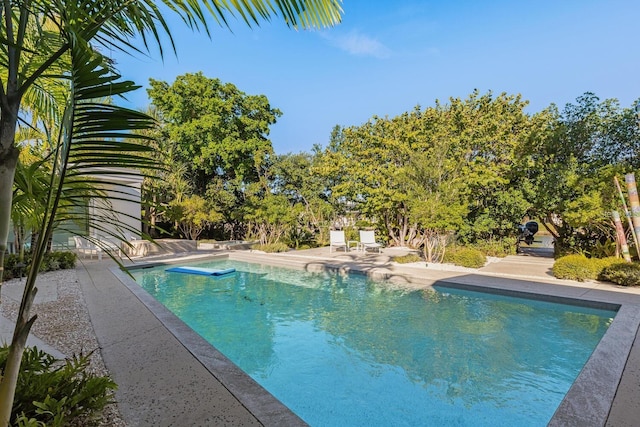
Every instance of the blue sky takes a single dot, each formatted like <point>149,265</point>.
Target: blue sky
<point>386,57</point>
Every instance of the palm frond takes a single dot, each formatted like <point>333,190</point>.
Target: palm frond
<point>96,138</point>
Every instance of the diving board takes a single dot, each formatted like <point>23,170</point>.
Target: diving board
<point>201,271</point>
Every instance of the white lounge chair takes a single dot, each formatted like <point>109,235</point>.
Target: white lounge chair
<point>98,247</point>
<point>85,247</point>
<point>337,240</point>
<point>368,240</point>
<point>107,245</point>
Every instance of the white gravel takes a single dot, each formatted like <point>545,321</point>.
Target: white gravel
<point>63,323</point>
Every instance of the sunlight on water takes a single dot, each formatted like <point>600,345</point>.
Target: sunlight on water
<point>344,350</point>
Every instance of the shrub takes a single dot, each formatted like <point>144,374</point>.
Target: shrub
<point>60,260</point>
<point>13,268</point>
<point>65,259</point>
<point>56,393</point>
<point>622,273</point>
<point>271,247</point>
<point>579,267</point>
<point>405,259</point>
<point>496,248</point>
<point>608,261</point>
<point>465,257</point>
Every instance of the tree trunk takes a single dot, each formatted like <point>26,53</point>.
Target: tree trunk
<point>14,358</point>
<point>9,106</point>
<point>8,162</point>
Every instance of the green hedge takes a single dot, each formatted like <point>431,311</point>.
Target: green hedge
<point>59,260</point>
<point>465,257</point>
<point>406,259</point>
<point>272,247</point>
<point>580,268</point>
<point>622,273</point>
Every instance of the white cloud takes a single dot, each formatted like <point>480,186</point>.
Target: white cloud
<point>360,44</point>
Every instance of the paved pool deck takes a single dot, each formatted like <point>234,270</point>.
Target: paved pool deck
<point>168,376</point>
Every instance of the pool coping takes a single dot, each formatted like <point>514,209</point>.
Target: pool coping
<point>588,401</point>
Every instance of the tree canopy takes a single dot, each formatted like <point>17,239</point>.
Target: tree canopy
<point>472,168</point>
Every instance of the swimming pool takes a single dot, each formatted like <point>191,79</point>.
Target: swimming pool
<point>348,351</point>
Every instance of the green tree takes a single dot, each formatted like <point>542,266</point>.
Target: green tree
<point>569,164</point>
<point>437,206</point>
<point>487,131</point>
<point>269,217</point>
<point>193,215</point>
<point>218,134</point>
<point>373,166</point>
<point>219,131</point>
<point>364,164</point>
<point>295,177</point>
<point>28,199</point>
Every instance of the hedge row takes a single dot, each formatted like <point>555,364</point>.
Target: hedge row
<point>271,247</point>
<point>611,269</point>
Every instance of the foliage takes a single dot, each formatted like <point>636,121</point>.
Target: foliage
<point>579,267</point>
<point>15,267</point>
<point>271,247</point>
<point>569,164</point>
<point>56,393</point>
<point>499,248</point>
<point>300,238</point>
<point>465,257</point>
<point>30,183</point>
<point>406,259</point>
<point>446,168</point>
<point>575,267</point>
<point>622,273</point>
<point>294,176</point>
<point>471,167</point>
<point>218,131</point>
<point>193,214</point>
<point>605,249</point>
<point>270,217</point>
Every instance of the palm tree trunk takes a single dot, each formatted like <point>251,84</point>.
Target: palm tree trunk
<point>8,163</point>
<point>14,359</point>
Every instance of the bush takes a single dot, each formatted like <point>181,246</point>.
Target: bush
<point>465,257</point>
<point>271,247</point>
<point>60,260</point>
<point>406,259</point>
<point>13,268</point>
<point>579,267</point>
<point>622,273</point>
<point>575,267</point>
<point>496,248</point>
<point>56,393</point>
<point>65,259</point>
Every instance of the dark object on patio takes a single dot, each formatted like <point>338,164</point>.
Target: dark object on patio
<point>526,232</point>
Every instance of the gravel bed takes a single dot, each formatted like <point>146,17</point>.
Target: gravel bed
<point>65,325</point>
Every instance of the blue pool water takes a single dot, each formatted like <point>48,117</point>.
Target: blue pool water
<point>348,351</point>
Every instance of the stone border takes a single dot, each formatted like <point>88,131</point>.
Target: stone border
<point>588,401</point>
